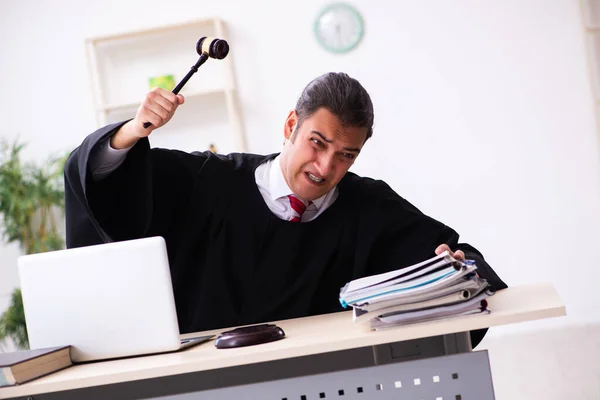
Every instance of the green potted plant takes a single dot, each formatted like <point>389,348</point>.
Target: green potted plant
<point>31,200</point>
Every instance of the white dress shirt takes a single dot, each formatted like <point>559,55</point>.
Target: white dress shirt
<point>268,176</point>
<point>275,191</point>
<point>105,159</point>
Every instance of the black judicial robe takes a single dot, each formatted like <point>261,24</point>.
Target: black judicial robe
<point>233,262</point>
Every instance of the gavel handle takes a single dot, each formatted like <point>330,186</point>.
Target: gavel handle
<point>192,71</point>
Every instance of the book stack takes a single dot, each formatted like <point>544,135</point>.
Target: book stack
<point>438,288</point>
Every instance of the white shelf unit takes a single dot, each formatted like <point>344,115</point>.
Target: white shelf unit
<point>590,10</point>
<point>121,64</point>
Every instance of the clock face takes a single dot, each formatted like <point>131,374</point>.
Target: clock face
<point>339,28</point>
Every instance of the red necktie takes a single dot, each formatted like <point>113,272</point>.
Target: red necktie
<point>298,206</point>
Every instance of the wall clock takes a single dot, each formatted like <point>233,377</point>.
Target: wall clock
<point>339,27</point>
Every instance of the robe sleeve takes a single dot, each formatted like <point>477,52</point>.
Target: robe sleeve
<point>405,236</point>
<point>147,191</point>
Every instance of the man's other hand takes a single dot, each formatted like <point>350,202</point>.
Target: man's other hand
<point>459,255</point>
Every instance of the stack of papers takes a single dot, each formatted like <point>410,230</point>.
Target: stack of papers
<point>441,287</point>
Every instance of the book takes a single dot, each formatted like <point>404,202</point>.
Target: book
<point>22,366</point>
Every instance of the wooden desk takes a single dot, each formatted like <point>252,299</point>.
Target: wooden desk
<point>315,337</point>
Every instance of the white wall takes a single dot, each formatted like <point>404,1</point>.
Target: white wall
<point>484,115</point>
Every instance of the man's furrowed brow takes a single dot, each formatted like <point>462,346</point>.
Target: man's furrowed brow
<point>353,149</point>
<point>322,136</point>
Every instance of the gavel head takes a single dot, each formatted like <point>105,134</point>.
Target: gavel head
<point>213,47</point>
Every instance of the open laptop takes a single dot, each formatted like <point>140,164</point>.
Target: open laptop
<point>108,301</point>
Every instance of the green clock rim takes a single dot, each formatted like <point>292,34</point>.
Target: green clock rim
<point>354,11</point>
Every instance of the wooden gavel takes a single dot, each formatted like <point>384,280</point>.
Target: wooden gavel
<point>207,47</point>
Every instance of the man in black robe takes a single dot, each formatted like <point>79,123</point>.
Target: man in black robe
<point>255,238</point>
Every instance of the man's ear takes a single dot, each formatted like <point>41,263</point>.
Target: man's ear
<point>290,123</point>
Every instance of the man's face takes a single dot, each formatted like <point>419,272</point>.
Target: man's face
<point>317,155</point>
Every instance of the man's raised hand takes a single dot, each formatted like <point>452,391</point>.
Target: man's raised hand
<point>158,108</point>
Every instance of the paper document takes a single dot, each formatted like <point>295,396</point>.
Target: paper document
<point>472,285</point>
<point>438,288</point>
<point>369,281</point>
<point>475,305</point>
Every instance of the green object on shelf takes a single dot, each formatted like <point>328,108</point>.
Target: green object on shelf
<point>166,82</point>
